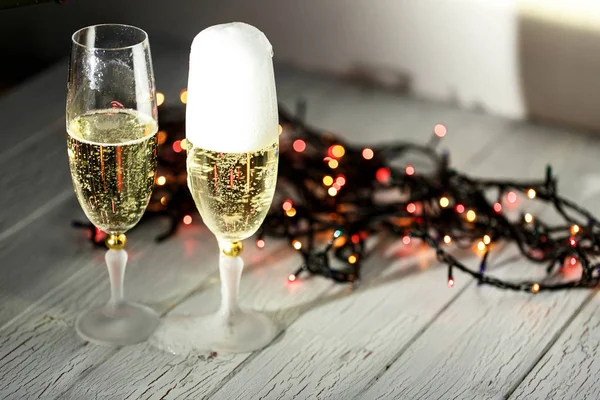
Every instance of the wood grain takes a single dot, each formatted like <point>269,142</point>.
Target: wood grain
<point>401,334</point>
<point>162,374</point>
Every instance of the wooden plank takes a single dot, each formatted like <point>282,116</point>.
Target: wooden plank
<point>365,337</point>
<point>480,345</point>
<point>54,357</point>
<point>568,370</point>
<point>145,284</point>
<point>485,342</point>
<point>261,290</point>
<point>33,110</point>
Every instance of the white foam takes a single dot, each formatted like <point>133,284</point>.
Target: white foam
<point>231,103</point>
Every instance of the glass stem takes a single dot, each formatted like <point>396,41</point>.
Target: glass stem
<point>230,271</point>
<point>116,260</point>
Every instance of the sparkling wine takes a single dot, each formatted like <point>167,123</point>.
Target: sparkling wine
<point>112,154</point>
<point>233,191</point>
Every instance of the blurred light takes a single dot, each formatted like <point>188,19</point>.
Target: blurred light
<point>480,246</point>
<point>339,242</point>
<point>355,238</point>
<point>575,229</point>
<point>471,216</point>
<point>280,129</point>
<point>161,180</point>
<point>573,261</point>
<point>299,145</point>
<point>528,218</point>
<point>333,164</point>
<point>383,175</point>
<point>183,96</point>
<point>163,201</point>
<point>460,208</point>
<point>287,205</point>
<point>297,244</point>
<point>187,219</point>
<point>535,287</point>
<point>260,243</point>
<point>409,170</point>
<point>511,197</point>
<point>487,239</point>
<point>185,144</point>
<point>160,98</point>
<point>161,137</point>
<point>340,180</point>
<point>332,191</point>
<point>367,153</point>
<point>337,151</point>
<point>292,278</point>
<point>531,193</point>
<point>444,202</point>
<point>572,241</point>
<point>177,146</point>
<point>406,240</point>
<point>411,208</point>
<point>497,207</point>
<point>440,130</point>
<point>352,259</point>
<point>327,180</point>
<point>447,239</point>
<point>337,233</point>
<point>450,282</point>
<point>291,212</point>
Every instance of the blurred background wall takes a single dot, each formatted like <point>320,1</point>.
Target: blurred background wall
<point>535,59</point>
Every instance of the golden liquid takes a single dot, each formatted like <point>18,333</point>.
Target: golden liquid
<point>233,191</point>
<point>112,154</point>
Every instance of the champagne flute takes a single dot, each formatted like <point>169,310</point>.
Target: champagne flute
<point>232,130</point>
<point>111,124</point>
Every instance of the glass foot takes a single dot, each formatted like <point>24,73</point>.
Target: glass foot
<point>125,324</point>
<point>243,332</point>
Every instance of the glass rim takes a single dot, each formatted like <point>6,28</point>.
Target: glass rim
<point>75,41</point>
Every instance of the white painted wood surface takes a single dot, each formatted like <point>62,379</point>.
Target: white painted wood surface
<point>401,334</point>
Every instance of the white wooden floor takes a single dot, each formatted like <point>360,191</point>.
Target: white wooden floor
<point>402,334</point>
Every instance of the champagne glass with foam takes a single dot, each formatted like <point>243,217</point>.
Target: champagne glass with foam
<point>232,130</point>
<point>111,123</point>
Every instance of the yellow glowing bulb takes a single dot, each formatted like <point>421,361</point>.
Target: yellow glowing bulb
<point>327,180</point>
<point>338,151</point>
<point>160,98</point>
<point>352,259</point>
<point>332,191</point>
<point>480,246</point>
<point>163,201</point>
<point>161,180</point>
<point>183,96</point>
<point>471,216</point>
<point>444,202</point>
<point>575,229</point>
<point>528,218</point>
<point>535,288</point>
<point>531,193</point>
<point>333,164</point>
<point>447,239</point>
<point>291,212</point>
<point>487,239</point>
<point>297,245</point>
<point>161,137</point>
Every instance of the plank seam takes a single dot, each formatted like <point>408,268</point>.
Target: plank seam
<point>552,342</point>
<point>40,211</point>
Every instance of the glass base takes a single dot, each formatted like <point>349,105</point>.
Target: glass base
<point>243,332</point>
<point>128,323</point>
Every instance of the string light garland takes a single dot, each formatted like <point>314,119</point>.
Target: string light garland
<point>332,196</point>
